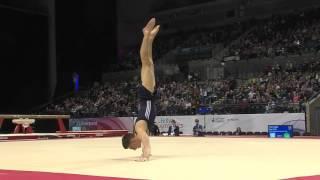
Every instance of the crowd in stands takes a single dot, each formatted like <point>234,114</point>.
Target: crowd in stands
<point>119,99</point>
<point>108,99</point>
<point>280,35</point>
<point>278,89</point>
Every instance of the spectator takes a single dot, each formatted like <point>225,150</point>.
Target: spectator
<point>173,129</point>
<point>198,129</point>
<point>238,131</point>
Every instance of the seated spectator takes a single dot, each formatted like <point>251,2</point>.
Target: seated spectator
<point>173,129</point>
<point>238,131</point>
<point>198,129</point>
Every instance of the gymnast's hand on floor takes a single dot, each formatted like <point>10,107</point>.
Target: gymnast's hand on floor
<point>143,158</point>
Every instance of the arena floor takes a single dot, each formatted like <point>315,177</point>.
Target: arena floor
<point>173,158</point>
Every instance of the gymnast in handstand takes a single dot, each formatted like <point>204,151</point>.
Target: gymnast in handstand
<point>146,96</point>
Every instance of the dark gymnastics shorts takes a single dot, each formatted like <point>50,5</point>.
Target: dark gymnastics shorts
<point>146,106</point>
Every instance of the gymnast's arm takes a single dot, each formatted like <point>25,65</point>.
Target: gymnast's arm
<point>141,129</point>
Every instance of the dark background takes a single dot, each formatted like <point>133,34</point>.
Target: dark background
<point>23,60</point>
<point>86,42</point>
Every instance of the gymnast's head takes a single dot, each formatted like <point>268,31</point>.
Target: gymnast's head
<point>130,141</point>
